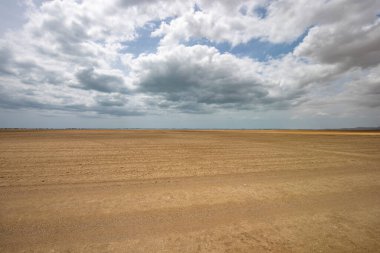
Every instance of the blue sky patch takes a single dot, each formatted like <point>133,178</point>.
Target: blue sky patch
<point>144,42</point>
<point>197,8</point>
<point>255,48</point>
<point>261,12</point>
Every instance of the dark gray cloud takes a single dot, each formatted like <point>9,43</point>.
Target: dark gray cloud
<point>27,100</point>
<point>358,47</point>
<point>186,90</point>
<point>364,92</point>
<point>106,110</point>
<point>89,80</point>
<point>194,78</point>
<point>9,101</point>
<point>112,100</point>
<point>5,61</point>
<point>29,71</point>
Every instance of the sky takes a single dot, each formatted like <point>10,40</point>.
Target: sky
<point>190,64</point>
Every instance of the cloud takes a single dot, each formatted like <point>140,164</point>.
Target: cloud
<point>74,56</point>
<point>363,90</point>
<point>111,100</point>
<point>346,46</point>
<point>5,60</point>
<point>200,75</point>
<point>89,80</point>
<point>113,104</point>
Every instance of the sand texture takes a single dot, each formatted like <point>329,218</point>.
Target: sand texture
<point>189,191</point>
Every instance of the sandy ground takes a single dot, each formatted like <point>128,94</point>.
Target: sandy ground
<point>189,191</point>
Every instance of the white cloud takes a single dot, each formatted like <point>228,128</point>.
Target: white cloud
<point>285,20</point>
<point>345,45</point>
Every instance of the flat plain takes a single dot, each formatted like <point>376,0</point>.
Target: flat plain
<point>189,191</point>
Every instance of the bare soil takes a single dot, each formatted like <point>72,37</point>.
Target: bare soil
<point>189,191</point>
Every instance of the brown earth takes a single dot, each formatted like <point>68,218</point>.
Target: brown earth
<point>189,191</point>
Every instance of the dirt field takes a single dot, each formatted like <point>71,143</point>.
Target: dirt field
<point>189,191</point>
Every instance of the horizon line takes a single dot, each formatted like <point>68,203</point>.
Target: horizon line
<point>175,128</point>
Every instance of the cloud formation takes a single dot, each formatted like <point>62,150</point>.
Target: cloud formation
<point>74,56</point>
